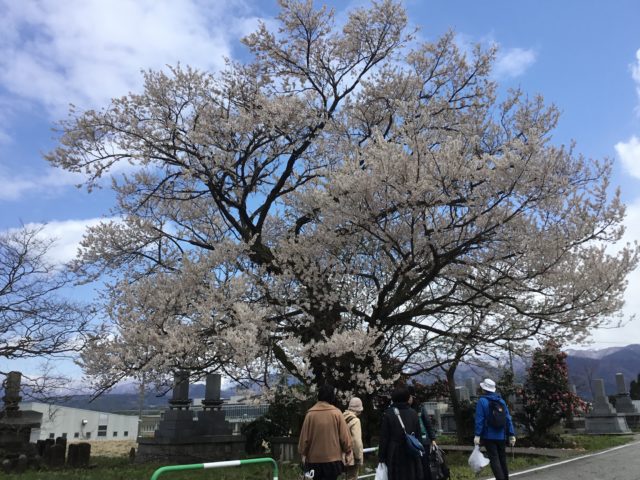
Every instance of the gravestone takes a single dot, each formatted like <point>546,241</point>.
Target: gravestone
<point>623,399</point>
<point>603,418</point>
<point>573,422</point>
<point>181,438</point>
<point>472,388</point>
<point>177,422</point>
<point>43,445</point>
<point>462,394</point>
<point>15,427</point>
<point>624,403</point>
<point>211,419</point>
<point>55,456</point>
<point>79,455</point>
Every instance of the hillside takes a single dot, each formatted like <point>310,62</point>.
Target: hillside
<point>583,368</point>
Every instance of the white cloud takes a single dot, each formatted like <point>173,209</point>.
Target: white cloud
<point>629,332</point>
<point>629,153</point>
<point>513,62</point>
<point>15,186</point>
<point>88,51</point>
<point>635,72</point>
<point>66,235</point>
<point>510,62</point>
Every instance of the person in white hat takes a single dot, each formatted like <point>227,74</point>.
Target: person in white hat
<point>493,426</point>
<point>353,461</point>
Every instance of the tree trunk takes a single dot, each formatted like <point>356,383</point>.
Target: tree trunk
<point>455,403</point>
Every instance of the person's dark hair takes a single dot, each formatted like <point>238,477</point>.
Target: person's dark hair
<point>326,393</point>
<point>400,394</point>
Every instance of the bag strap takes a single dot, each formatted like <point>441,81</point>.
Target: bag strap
<point>352,423</point>
<point>397,412</point>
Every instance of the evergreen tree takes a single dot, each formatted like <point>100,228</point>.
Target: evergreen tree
<point>546,395</point>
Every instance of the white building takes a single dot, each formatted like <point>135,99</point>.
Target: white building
<point>80,424</point>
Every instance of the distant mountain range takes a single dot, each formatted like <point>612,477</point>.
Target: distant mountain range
<point>584,367</point>
<point>126,399</point>
<point>588,365</point>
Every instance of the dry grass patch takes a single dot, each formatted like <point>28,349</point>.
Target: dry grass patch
<point>111,448</point>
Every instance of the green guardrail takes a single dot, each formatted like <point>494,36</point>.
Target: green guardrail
<point>228,463</point>
<point>369,450</point>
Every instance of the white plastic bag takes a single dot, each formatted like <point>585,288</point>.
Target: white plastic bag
<point>381,472</point>
<point>477,461</point>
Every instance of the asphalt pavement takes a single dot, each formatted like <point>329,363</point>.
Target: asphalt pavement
<point>618,463</point>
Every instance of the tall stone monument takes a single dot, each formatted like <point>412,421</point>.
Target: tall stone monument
<point>472,387</point>
<point>462,393</point>
<point>177,422</point>
<point>16,453</point>
<point>603,417</point>
<point>183,438</point>
<point>624,404</point>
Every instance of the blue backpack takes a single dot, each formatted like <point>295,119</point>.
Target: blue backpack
<point>497,414</point>
<point>414,445</point>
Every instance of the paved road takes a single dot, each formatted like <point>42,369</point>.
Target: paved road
<point>619,463</point>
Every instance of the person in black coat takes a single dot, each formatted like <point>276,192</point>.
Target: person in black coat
<point>428,435</point>
<point>393,450</point>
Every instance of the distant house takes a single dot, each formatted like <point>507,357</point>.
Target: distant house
<point>79,424</point>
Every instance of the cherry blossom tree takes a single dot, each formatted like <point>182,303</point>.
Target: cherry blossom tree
<point>334,206</point>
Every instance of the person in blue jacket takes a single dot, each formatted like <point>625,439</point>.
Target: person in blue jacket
<point>493,426</point>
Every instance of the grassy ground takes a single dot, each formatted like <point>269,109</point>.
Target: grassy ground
<point>578,442</point>
<point>118,468</point>
<point>595,442</point>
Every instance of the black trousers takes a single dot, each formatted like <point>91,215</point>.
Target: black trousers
<point>426,467</point>
<point>497,453</point>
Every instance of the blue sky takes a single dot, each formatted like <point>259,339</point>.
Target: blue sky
<point>584,56</point>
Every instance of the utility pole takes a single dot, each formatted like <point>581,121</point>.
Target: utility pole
<point>140,403</point>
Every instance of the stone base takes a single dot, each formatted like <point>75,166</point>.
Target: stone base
<point>606,424</point>
<point>194,450</point>
<point>212,422</point>
<point>633,420</point>
<point>284,449</point>
<point>176,424</point>
<point>624,404</point>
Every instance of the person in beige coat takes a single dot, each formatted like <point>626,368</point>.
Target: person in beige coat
<point>355,460</point>
<point>324,438</point>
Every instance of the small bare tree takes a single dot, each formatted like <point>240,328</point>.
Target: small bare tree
<point>36,321</point>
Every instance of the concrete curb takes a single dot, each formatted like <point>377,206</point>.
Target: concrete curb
<point>542,452</point>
